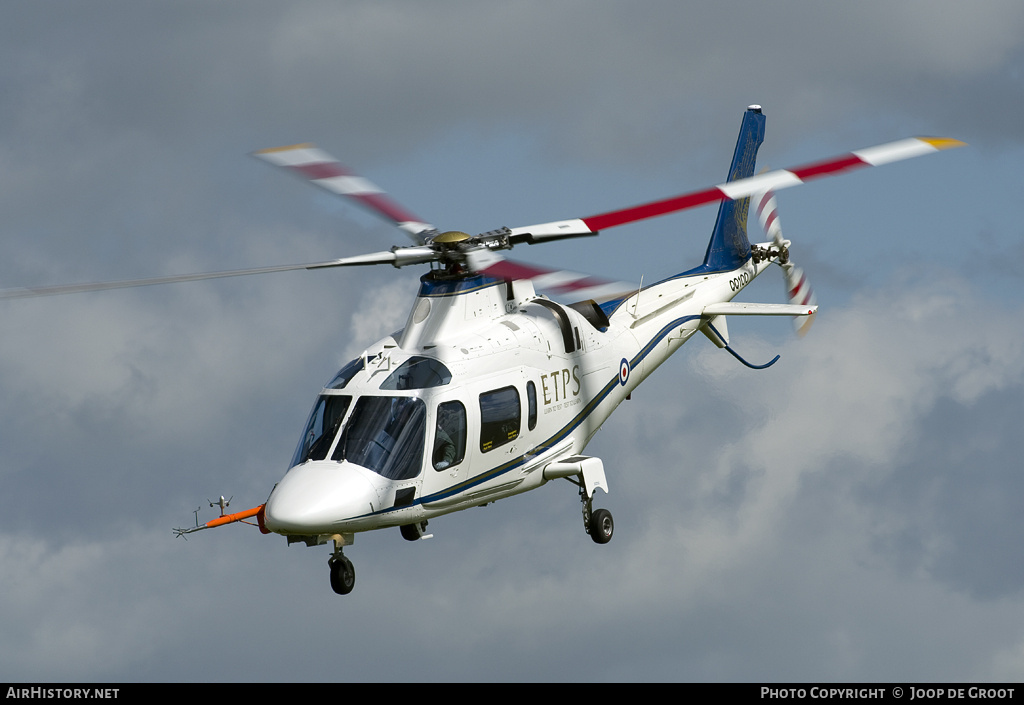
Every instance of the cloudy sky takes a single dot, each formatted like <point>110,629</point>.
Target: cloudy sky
<point>850,514</point>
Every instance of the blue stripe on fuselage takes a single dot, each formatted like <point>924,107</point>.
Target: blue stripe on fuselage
<point>550,442</point>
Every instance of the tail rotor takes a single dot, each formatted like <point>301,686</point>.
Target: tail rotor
<point>797,287</point>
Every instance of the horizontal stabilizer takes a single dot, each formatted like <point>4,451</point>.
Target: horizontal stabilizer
<point>732,308</point>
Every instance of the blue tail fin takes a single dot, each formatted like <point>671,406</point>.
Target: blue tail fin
<point>729,247</point>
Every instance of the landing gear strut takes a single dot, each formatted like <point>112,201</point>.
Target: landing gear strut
<point>343,574</point>
<point>587,474</point>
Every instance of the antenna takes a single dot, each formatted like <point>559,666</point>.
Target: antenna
<point>637,302</point>
<point>224,518</point>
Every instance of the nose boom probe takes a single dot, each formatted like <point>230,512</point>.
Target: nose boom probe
<point>228,519</point>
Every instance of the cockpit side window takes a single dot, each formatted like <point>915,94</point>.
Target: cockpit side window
<point>345,374</point>
<point>449,435</point>
<point>500,417</point>
<point>417,372</point>
<point>321,428</point>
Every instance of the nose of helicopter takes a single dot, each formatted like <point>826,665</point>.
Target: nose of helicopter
<point>317,497</point>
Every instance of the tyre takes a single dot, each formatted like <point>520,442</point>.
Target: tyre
<point>412,532</point>
<point>601,526</point>
<point>343,576</point>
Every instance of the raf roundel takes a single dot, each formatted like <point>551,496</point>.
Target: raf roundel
<point>623,372</point>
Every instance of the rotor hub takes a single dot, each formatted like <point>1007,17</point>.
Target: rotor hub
<point>451,237</point>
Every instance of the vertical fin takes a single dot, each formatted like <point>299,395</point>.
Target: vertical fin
<point>729,247</point>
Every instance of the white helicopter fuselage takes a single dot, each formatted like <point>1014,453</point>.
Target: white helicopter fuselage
<point>491,390</point>
<point>531,382</point>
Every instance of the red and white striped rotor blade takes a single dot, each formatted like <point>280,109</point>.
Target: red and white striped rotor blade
<point>800,292</point>
<point>741,188</point>
<point>321,169</point>
<point>767,209</point>
<point>797,287</point>
<point>559,283</point>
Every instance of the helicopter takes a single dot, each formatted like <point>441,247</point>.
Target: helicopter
<point>493,389</point>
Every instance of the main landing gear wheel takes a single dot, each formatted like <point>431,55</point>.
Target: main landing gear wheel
<point>601,526</point>
<point>343,574</point>
<point>596,522</point>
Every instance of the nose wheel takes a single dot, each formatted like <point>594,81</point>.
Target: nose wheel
<point>343,574</point>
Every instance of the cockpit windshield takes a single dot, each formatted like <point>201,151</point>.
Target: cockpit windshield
<point>385,435</point>
<point>321,428</point>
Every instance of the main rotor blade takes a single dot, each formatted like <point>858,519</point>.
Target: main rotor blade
<point>321,169</point>
<point>399,257</point>
<point>558,282</point>
<point>741,188</point>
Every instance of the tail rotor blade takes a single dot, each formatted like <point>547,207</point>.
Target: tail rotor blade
<point>800,292</point>
<point>768,216</point>
<point>798,289</point>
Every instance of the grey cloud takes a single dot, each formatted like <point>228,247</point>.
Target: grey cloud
<point>845,515</point>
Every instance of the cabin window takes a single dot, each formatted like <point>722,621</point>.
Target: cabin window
<point>321,428</point>
<point>500,416</point>
<point>449,435</point>
<point>418,372</point>
<point>531,405</point>
<point>385,435</point>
